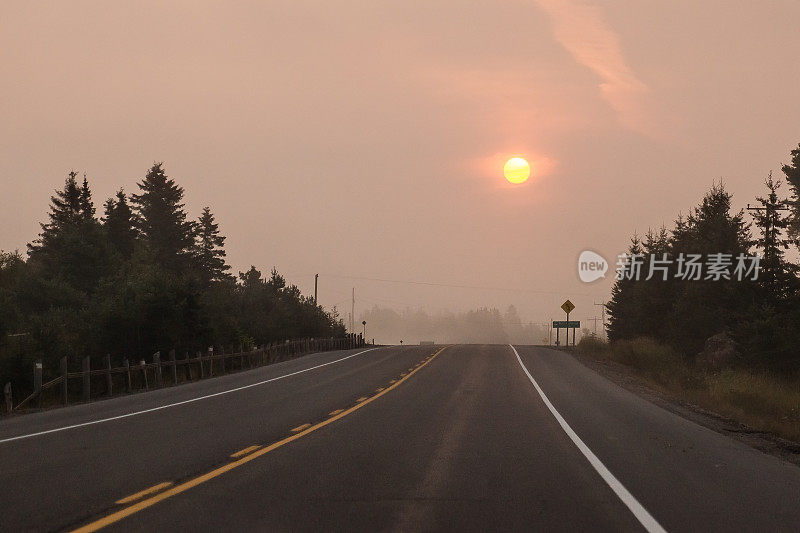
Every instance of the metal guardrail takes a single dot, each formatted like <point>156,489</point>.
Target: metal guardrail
<point>142,376</point>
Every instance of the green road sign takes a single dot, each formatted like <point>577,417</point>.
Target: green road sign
<point>564,324</point>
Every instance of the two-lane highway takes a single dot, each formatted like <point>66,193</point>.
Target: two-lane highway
<point>59,467</point>
<point>414,438</point>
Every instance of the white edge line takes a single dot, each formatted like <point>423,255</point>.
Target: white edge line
<point>638,510</point>
<point>135,413</point>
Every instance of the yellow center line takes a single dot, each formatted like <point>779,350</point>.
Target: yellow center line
<point>145,492</point>
<point>336,412</point>
<point>393,381</point>
<point>361,399</point>
<point>245,451</point>
<point>301,428</point>
<point>379,389</point>
<point>183,487</point>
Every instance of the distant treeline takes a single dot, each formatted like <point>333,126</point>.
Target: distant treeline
<point>142,278</point>
<point>760,317</point>
<point>482,326</point>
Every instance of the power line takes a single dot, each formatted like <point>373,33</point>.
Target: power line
<point>457,286</point>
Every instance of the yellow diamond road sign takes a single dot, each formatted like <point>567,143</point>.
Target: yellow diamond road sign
<point>568,306</point>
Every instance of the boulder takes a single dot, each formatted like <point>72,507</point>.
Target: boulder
<point>719,351</point>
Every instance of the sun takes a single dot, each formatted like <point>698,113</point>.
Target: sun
<point>517,170</point>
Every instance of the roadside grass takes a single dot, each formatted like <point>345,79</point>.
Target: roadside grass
<point>761,401</point>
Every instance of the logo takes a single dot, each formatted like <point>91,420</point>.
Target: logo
<point>591,266</point>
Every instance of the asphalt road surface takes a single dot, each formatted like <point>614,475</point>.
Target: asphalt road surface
<point>415,438</point>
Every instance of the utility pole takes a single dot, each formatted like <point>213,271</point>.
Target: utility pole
<point>594,319</point>
<point>603,317</point>
<point>353,313</point>
<point>316,278</point>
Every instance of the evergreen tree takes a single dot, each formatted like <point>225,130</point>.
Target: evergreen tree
<point>792,173</point>
<point>119,225</point>
<point>705,307</point>
<point>209,253</point>
<point>654,294</point>
<point>276,283</point>
<point>70,246</point>
<point>65,212</point>
<point>251,279</point>
<point>621,308</point>
<point>712,228</point>
<point>673,305</point>
<point>777,276</point>
<point>161,219</point>
<point>86,209</point>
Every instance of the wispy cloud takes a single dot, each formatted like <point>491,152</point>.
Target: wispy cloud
<point>581,28</point>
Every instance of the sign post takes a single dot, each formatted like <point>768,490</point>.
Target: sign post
<point>568,307</point>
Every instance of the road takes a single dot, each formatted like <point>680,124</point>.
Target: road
<point>414,438</point>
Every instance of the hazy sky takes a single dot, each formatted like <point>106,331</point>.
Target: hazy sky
<point>367,139</point>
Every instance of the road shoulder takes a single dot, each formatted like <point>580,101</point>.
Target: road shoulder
<point>627,378</point>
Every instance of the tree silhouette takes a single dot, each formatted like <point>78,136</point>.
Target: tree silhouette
<point>777,276</point>
<point>70,246</point>
<point>209,253</point>
<point>621,308</point>
<point>119,225</point>
<point>67,210</point>
<point>792,173</point>
<point>161,220</point>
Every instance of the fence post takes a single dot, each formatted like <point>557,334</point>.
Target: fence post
<point>157,362</point>
<point>128,384</point>
<point>143,366</point>
<point>64,374</point>
<point>37,381</point>
<point>211,361</point>
<point>86,368</point>
<point>222,362</point>
<point>200,360</point>
<point>174,366</point>
<point>109,381</point>
<point>187,367</point>
<point>9,399</point>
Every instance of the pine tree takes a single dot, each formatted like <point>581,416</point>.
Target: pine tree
<point>792,173</point>
<point>86,212</point>
<point>621,308</point>
<point>65,212</point>
<point>712,228</point>
<point>251,278</point>
<point>705,307</point>
<point>119,224</point>
<point>161,219</point>
<point>70,246</point>
<point>654,294</point>
<point>777,276</point>
<point>209,254</point>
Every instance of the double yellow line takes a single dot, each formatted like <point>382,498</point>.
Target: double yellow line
<point>183,487</point>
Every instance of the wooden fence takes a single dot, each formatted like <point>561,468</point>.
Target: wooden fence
<point>160,372</point>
